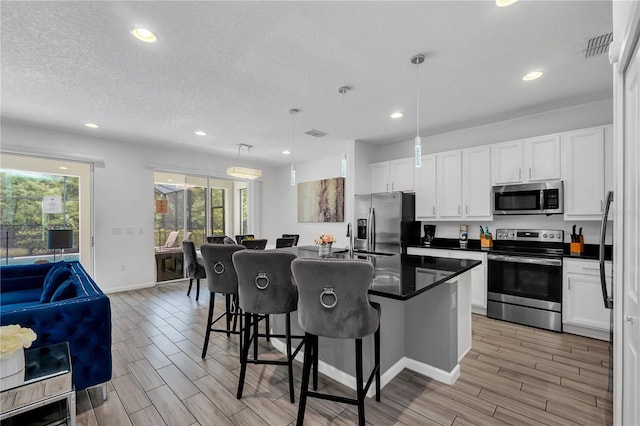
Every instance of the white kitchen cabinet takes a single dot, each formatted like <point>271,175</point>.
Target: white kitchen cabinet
<point>478,274</point>
<point>476,183</point>
<point>388,176</point>
<point>449,184</point>
<point>585,154</point>
<point>583,310</point>
<point>530,160</point>
<point>425,188</point>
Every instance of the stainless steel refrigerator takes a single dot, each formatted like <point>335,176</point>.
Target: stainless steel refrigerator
<point>385,223</point>
<point>606,297</point>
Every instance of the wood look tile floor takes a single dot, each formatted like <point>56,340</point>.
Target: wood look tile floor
<point>512,375</point>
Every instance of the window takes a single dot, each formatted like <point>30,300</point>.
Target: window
<point>218,198</point>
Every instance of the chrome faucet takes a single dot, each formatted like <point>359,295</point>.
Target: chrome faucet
<point>351,240</point>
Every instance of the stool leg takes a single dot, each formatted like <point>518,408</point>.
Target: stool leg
<point>197,288</point>
<point>289,358</point>
<point>316,356</point>
<point>376,348</point>
<point>244,354</point>
<point>212,301</point>
<point>359,387</point>
<point>267,328</point>
<point>255,336</point>
<point>227,298</point>
<point>190,284</point>
<point>306,370</point>
<point>235,309</point>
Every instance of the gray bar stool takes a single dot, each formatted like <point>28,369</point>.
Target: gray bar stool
<point>195,269</point>
<point>221,278</point>
<point>333,302</point>
<point>265,286</point>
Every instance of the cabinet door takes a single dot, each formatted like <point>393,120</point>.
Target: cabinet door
<point>583,173</point>
<point>543,155</point>
<point>401,174</point>
<point>449,171</point>
<point>425,187</point>
<point>507,163</point>
<point>583,302</point>
<point>379,177</point>
<point>476,182</point>
<point>479,286</point>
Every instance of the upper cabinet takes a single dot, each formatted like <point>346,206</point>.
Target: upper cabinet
<point>530,160</point>
<point>425,187</point>
<point>388,176</point>
<point>449,192</point>
<point>585,173</point>
<point>476,183</point>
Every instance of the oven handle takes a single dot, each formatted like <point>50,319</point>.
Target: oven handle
<point>530,260</point>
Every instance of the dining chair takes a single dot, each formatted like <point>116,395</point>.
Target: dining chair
<point>333,303</point>
<point>265,287</point>
<point>296,237</point>
<point>285,242</point>
<point>259,244</point>
<point>195,269</point>
<point>241,237</point>
<point>221,278</point>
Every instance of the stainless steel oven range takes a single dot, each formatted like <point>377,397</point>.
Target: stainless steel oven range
<point>525,277</point>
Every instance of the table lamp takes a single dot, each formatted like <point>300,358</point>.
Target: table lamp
<point>59,239</point>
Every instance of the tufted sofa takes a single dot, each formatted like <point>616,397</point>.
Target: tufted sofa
<point>76,311</point>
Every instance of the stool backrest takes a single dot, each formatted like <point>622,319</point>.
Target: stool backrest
<point>258,244</point>
<point>241,237</point>
<point>285,242</point>
<point>265,281</point>
<point>216,239</point>
<point>221,275</point>
<point>296,237</point>
<point>332,297</point>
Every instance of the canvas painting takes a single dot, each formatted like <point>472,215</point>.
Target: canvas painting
<point>321,200</point>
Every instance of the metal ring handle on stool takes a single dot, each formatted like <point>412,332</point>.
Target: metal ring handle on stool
<point>262,276</point>
<point>218,268</point>
<point>328,291</point>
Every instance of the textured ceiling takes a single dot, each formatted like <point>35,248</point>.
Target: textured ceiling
<point>234,69</point>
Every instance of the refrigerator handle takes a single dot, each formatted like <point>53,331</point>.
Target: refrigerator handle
<point>371,228</point>
<point>608,301</point>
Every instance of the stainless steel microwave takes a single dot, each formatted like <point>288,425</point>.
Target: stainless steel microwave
<point>529,198</point>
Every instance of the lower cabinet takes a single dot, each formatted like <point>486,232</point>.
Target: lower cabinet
<point>583,310</point>
<point>478,274</point>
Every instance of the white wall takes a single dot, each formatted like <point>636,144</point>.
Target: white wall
<point>123,189</point>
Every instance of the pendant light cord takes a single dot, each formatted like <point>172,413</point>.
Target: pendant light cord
<point>417,99</point>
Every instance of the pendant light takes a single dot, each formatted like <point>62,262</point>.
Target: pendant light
<point>244,172</point>
<point>417,60</point>
<point>343,90</point>
<point>292,112</point>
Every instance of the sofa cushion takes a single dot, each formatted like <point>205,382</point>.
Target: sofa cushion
<point>55,277</point>
<point>66,290</point>
<point>30,295</point>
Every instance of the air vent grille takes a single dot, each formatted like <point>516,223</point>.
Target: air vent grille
<point>598,45</point>
<point>316,133</point>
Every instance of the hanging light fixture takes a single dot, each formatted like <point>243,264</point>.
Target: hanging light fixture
<point>343,162</point>
<point>417,60</point>
<point>293,112</point>
<point>244,172</point>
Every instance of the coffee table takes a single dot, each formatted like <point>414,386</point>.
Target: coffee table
<point>47,383</point>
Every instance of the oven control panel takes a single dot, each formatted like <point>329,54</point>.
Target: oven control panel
<point>530,235</point>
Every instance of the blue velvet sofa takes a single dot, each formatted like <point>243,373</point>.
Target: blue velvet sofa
<point>61,302</point>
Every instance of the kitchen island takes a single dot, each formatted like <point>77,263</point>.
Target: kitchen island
<point>425,322</point>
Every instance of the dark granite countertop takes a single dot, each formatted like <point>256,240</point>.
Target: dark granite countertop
<point>401,277</point>
<point>591,251</point>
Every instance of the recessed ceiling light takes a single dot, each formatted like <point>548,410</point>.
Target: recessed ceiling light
<point>397,115</point>
<point>63,168</point>
<point>92,125</point>
<point>505,3</point>
<point>144,34</point>
<point>286,152</point>
<point>533,75</point>
<point>200,133</point>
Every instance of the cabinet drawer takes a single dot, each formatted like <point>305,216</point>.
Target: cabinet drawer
<point>586,267</point>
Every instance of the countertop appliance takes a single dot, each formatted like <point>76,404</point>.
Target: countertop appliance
<point>529,198</point>
<point>429,234</point>
<point>385,223</point>
<point>607,297</point>
<point>525,277</point>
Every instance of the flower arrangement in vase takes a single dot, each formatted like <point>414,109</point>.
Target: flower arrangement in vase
<point>13,340</point>
<point>324,242</point>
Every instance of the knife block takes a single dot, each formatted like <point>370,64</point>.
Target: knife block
<point>486,242</point>
<point>576,248</point>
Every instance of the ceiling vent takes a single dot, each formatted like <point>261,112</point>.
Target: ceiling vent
<point>316,133</point>
<point>598,45</point>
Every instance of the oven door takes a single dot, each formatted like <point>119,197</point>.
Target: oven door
<point>526,277</point>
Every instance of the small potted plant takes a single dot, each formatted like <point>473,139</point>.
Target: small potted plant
<point>324,242</point>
